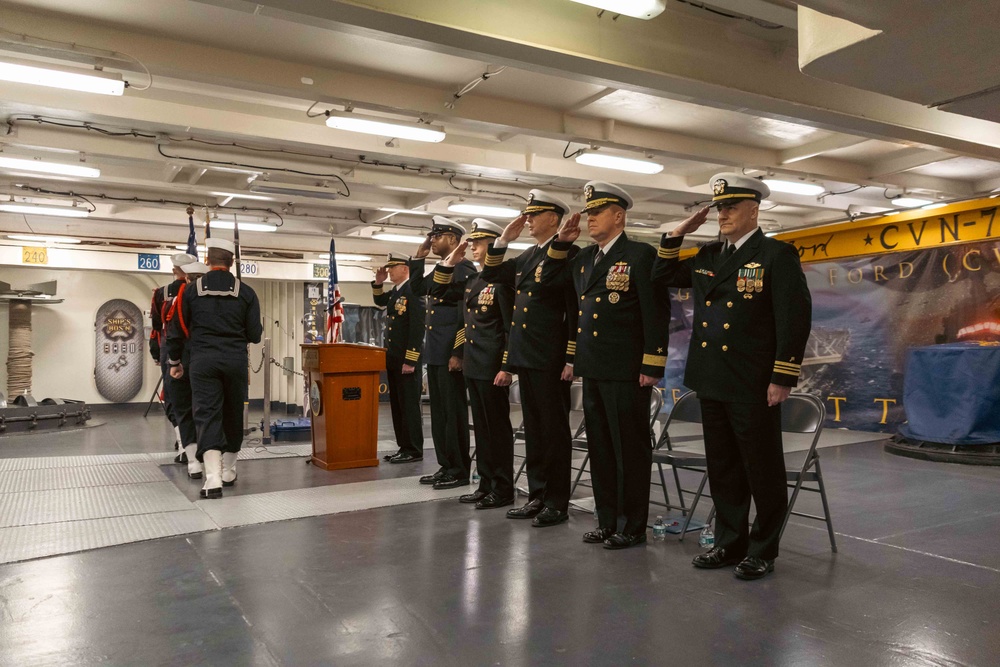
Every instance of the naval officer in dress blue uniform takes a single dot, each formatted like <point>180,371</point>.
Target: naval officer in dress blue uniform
<point>540,351</point>
<point>404,342</point>
<point>487,311</point>
<point>621,346</point>
<point>752,316</point>
<point>445,382</point>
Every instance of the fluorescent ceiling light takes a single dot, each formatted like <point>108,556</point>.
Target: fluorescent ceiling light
<point>794,187</point>
<point>605,161</point>
<point>402,238</point>
<point>241,195</point>
<point>640,9</point>
<point>245,226</point>
<point>484,210</point>
<point>42,239</point>
<point>520,246</point>
<point>910,202</point>
<point>931,207</point>
<point>346,257</point>
<point>411,211</point>
<point>352,122</point>
<point>295,190</point>
<point>34,209</point>
<point>66,78</point>
<point>49,167</point>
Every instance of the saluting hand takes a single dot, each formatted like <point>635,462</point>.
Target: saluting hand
<point>569,230</point>
<point>513,230</point>
<point>692,223</point>
<point>457,256</point>
<point>381,275</point>
<point>423,249</point>
<point>177,372</point>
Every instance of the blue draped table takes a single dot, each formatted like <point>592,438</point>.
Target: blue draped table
<point>951,394</point>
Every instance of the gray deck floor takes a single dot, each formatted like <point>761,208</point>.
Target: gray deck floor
<point>437,583</point>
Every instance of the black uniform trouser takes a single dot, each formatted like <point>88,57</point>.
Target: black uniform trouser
<point>745,460</point>
<point>548,447</point>
<point>494,437</point>
<point>621,453</point>
<point>449,420</point>
<point>181,404</point>
<point>218,390</point>
<point>168,398</point>
<point>404,404</point>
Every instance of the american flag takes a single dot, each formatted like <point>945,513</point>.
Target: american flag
<point>336,306</point>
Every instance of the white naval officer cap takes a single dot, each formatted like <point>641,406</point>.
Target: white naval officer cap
<point>221,244</point>
<point>443,225</point>
<point>182,258</point>
<point>395,259</point>
<point>599,194</point>
<point>729,187</point>
<point>540,201</point>
<point>484,229</point>
<point>195,267</point>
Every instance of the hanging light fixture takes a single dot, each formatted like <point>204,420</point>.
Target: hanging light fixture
<point>65,78</point>
<point>42,167</point>
<point>352,122</point>
<point>605,161</point>
<point>640,9</point>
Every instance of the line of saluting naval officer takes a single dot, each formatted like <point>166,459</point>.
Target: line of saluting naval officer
<point>556,313</point>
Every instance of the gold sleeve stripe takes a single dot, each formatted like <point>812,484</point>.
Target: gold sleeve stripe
<point>571,347</point>
<point>505,356</point>
<point>411,355</point>
<point>377,291</point>
<point>654,360</point>
<point>669,253</point>
<point>494,260</point>
<point>442,278</point>
<point>784,372</point>
<point>558,254</point>
<point>786,364</point>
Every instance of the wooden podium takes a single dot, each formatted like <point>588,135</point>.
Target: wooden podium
<point>343,393</point>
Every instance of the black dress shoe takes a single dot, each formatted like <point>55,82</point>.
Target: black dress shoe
<point>473,498</point>
<point>527,511</point>
<point>751,568</point>
<point>448,482</point>
<point>432,479</point>
<point>405,458</point>
<point>181,458</point>
<point>623,541</point>
<point>714,558</point>
<point>195,475</point>
<point>598,536</point>
<point>389,457</point>
<point>211,493</point>
<point>492,501</point>
<point>230,483</point>
<point>549,517</point>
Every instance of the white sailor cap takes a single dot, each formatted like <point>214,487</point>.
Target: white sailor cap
<point>182,258</point>
<point>540,201</point>
<point>484,229</point>
<point>221,244</point>
<point>599,194</point>
<point>444,225</point>
<point>195,267</point>
<point>396,259</point>
<point>730,187</point>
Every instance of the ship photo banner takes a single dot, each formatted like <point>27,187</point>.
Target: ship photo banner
<point>867,312</point>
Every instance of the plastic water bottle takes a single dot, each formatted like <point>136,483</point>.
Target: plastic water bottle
<point>659,530</point>
<point>707,538</point>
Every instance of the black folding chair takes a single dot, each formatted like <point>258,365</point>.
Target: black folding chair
<point>805,413</point>
<point>687,410</point>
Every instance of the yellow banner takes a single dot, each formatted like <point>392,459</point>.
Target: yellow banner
<point>962,222</point>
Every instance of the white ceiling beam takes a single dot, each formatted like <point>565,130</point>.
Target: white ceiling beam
<point>815,148</point>
<point>587,101</point>
<point>904,160</point>
<point>680,58</point>
<point>196,175</point>
<point>760,9</point>
<point>987,185</point>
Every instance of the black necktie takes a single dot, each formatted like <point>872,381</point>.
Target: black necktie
<point>598,257</point>
<point>730,250</point>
